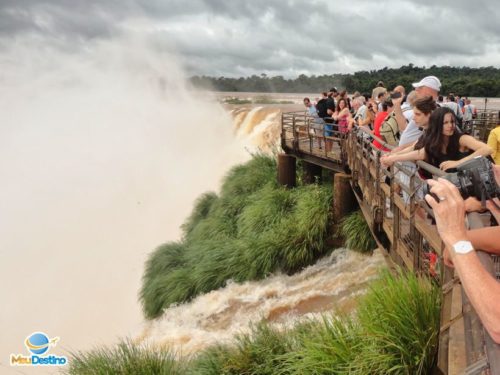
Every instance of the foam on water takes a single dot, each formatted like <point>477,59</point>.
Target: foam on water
<point>332,283</point>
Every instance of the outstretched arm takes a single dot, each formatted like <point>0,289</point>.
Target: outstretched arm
<point>481,288</point>
<point>388,160</point>
<point>479,148</point>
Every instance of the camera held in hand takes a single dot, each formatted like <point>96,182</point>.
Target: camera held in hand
<point>474,178</point>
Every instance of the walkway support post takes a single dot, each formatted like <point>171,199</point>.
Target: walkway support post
<point>344,200</point>
<point>311,173</point>
<point>287,170</point>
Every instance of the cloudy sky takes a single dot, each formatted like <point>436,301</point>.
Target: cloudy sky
<point>276,37</point>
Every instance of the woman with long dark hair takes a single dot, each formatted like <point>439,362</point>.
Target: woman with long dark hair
<point>343,116</point>
<point>442,144</point>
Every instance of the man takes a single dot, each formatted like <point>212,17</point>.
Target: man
<point>400,107</point>
<point>378,89</point>
<point>428,86</point>
<point>481,288</point>
<point>470,113</point>
<point>359,106</point>
<point>321,106</point>
<point>451,104</point>
<point>311,109</point>
<point>330,102</point>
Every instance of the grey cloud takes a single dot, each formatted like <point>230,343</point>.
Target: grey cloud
<point>232,38</point>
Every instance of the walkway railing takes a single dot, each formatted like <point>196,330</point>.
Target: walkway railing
<point>392,203</point>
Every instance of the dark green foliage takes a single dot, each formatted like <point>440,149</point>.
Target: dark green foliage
<point>125,359</point>
<point>200,211</point>
<point>254,228</point>
<point>357,234</point>
<point>480,82</point>
<point>260,352</point>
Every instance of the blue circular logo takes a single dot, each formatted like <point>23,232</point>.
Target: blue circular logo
<point>37,343</point>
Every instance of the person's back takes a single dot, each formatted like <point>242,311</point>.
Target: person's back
<point>470,111</point>
<point>322,108</point>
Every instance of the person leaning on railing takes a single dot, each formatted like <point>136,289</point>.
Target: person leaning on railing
<point>479,285</point>
<point>442,145</point>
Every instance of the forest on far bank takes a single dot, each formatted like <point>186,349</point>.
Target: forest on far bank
<point>478,82</point>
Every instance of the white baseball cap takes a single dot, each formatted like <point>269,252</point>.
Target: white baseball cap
<point>429,81</point>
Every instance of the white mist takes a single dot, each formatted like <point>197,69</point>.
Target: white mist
<point>102,152</point>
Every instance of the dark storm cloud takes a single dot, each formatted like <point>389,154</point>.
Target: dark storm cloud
<point>220,37</point>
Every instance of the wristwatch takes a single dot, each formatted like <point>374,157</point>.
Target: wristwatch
<point>463,247</point>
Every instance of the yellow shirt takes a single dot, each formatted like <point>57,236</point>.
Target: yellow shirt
<point>494,143</point>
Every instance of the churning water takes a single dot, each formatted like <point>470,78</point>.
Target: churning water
<point>331,284</point>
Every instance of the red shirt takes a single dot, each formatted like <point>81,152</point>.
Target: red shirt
<point>379,119</point>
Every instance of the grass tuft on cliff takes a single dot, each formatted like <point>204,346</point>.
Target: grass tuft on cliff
<point>126,358</point>
<point>252,229</point>
<point>357,234</point>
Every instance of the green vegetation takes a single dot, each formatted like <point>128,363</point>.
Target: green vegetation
<point>254,228</point>
<point>125,359</point>
<point>356,232</point>
<point>480,82</point>
<point>268,100</point>
<point>236,101</point>
<point>395,332</point>
<point>257,100</point>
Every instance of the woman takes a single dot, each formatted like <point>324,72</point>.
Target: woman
<point>370,114</point>
<point>442,145</point>
<point>343,116</point>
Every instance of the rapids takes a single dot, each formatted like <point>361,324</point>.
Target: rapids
<point>332,284</point>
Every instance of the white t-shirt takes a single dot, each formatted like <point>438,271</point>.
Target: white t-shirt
<point>411,133</point>
<point>360,113</point>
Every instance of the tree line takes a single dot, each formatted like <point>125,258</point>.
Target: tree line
<point>479,82</point>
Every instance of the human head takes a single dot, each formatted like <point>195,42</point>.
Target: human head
<point>341,104</point>
<point>411,98</point>
<point>422,109</point>
<point>332,92</point>
<point>388,104</point>
<point>357,102</point>
<point>380,84</point>
<point>441,126</point>
<point>437,120</point>
<point>428,86</point>
<point>381,96</point>
<point>325,95</point>
<point>400,89</point>
<point>307,102</point>
<point>451,98</point>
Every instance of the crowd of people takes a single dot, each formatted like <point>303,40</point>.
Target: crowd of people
<point>423,125</point>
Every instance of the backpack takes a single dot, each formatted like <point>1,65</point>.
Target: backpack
<point>389,131</point>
